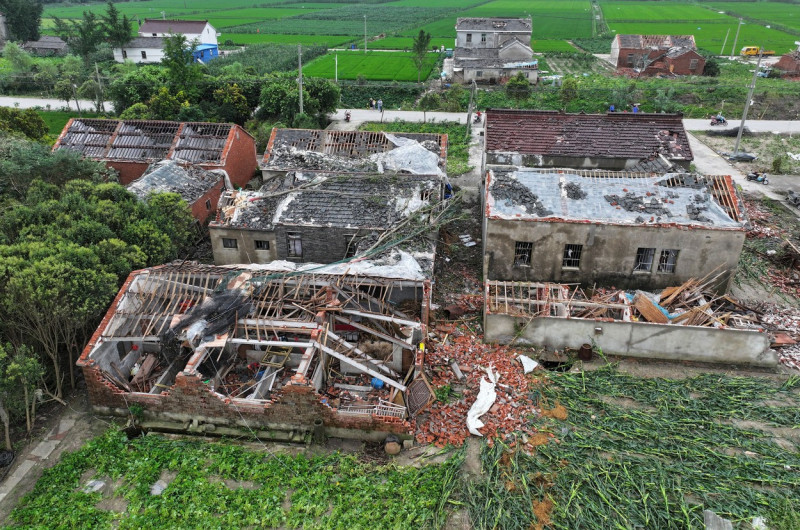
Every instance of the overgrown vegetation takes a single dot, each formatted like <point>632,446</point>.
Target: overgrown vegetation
<point>649,453</point>
<point>457,145</point>
<point>221,484</point>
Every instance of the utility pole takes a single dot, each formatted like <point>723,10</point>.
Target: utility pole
<point>747,103</point>
<point>163,15</point>
<point>77,103</point>
<point>736,38</point>
<point>336,71</point>
<point>100,85</point>
<point>722,51</point>
<point>473,90</point>
<point>300,72</point>
<point>365,34</point>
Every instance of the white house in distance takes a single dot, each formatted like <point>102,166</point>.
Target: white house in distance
<point>148,47</point>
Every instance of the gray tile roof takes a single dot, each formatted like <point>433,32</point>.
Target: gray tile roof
<point>188,181</point>
<point>172,26</point>
<point>146,42</point>
<point>493,24</point>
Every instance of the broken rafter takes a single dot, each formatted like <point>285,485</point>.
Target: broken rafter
<point>377,333</point>
<point>352,362</point>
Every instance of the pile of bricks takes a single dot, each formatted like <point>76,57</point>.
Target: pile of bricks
<point>511,417</point>
<point>783,321</point>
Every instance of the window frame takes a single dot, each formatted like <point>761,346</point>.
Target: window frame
<point>144,54</point>
<point>261,244</point>
<point>351,245</point>
<point>469,37</point>
<point>483,37</point>
<point>641,259</point>
<point>294,241</point>
<point>230,243</point>
<point>665,265</point>
<point>523,253</point>
<point>693,64</point>
<point>572,262</point>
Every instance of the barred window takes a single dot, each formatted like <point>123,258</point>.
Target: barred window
<point>261,244</point>
<point>667,260</point>
<point>294,244</point>
<point>644,259</point>
<point>522,253</point>
<point>572,256</point>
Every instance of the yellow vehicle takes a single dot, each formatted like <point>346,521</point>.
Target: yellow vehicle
<point>754,50</point>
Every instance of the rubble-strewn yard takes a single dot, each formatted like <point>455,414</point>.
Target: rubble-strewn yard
<point>767,146</point>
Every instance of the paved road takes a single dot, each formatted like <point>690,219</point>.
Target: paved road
<point>55,104</point>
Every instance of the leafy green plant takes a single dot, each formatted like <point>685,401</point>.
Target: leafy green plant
<point>444,393</point>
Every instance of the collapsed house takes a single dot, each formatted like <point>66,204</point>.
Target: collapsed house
<point>632,231</point>
<point>686,322</point>
<point>789,63</point>
<point>352,152</point>
<point>492,50</point>
<point>649,55</point>
<point>200,189</point>
<point>278,351</point>
<point>613,141</point>
<point>324,217</point>
<point>130,146</point>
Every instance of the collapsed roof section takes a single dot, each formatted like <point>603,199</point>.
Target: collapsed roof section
<point>246,332</point>
<point>614,135</point>
<point>355,151</point>
<point>613,198</point>
<point>368,201</point>
<point>149,140</point>
<point>168,176</point>
<point>657,42</point>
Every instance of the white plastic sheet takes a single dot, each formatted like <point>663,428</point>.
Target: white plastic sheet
<point>528,364</point>
<point>484,401</point>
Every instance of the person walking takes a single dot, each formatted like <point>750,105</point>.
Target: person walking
<point>380,105</point>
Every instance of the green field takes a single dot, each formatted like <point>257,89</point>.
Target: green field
<point>652,11</point>
<point>382,66</point>
<point>255,38</point>
<point>402,43</point>
<point>542,46</point>
<point>769,12</point>
<point>57,119</point>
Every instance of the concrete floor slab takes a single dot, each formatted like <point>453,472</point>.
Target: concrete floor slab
<point>44,448</point>
<point>12,481</point>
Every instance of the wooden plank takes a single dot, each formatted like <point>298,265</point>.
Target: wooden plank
<point>648,310</point>
<point>144,370</point>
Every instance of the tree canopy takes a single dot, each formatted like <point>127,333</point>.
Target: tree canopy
<point>422,43</point>
<point>23,18</point>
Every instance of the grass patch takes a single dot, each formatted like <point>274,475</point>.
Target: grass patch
<point>405,43</point>
<point>57,119</point>
<point>332,491</point>
<point>457,146</point>
<point>648,453</point>
<point>552,45</point>
<point>384,66</point>
<point>242,39</point>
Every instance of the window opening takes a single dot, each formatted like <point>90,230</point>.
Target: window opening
<point>229,243</point>
<point>294,245</point>
<point>522,253</point>
<point>572,256</point>
<point>261,244</point>
<point>667,260</point>
<point>644,259</point>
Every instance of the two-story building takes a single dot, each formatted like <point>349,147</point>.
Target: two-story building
<point>491,50</point>
<point>148,46</point>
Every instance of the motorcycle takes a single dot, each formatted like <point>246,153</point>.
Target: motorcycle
<point>761,178</point>
<point>347,115</point>
<point>719,121</point>
<point>478,117</point>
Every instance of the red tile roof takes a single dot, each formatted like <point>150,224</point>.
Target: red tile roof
<point>611,135</point>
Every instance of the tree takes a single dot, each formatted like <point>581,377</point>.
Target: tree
<point>420,49</point>
<point>27,122</point>
<point>569,90</point>
<point>280,99</point>
<point>711,68</point>
<point>21,61</point>
<point>231,105</point>
<point>23,18</point>
<point>518,88</point>
<point>430,101</point>
<point>182,72</point>
<point>82,35</point>
<point>118,29</point>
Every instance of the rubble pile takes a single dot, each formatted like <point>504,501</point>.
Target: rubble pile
<point>509,419</point>
<point>290,156</point>
<point>784,326</point>
<point>631,202</point>
<point>774,248</point>
<point>513,191</point>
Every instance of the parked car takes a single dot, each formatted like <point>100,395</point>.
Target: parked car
<point>741,156</point>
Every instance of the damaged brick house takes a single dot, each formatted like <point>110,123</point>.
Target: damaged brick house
<point>613,141</point>
<point>130,146</point>
<point>266,350</point>
<point>491,50</point>
<point>632,231</point>
<point>321,217</point>
<point>200,188</point>
<point>789,63</point>
<point>351,152</point>
<point>650,55</point>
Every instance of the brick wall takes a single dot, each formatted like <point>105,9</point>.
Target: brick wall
<point>200,210</point>
<point>239,157</point>
<point>128,170</point>
<point>295,406</point>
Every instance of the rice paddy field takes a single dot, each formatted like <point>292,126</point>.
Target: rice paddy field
<point>381,66</point>
<point>773,13</point>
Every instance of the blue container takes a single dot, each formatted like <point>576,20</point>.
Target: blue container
<point>377,384</point>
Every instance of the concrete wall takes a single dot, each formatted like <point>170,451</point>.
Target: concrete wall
<point>505,158</point>
<point>246,251</point>
<point>319,244</point>
<point>154,55</point>
<point>609,253</point>
<point>494,39</point>
<point>636,339</point>
<point>497,74</point>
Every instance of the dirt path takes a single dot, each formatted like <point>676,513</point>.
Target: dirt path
<point>66,430</point>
